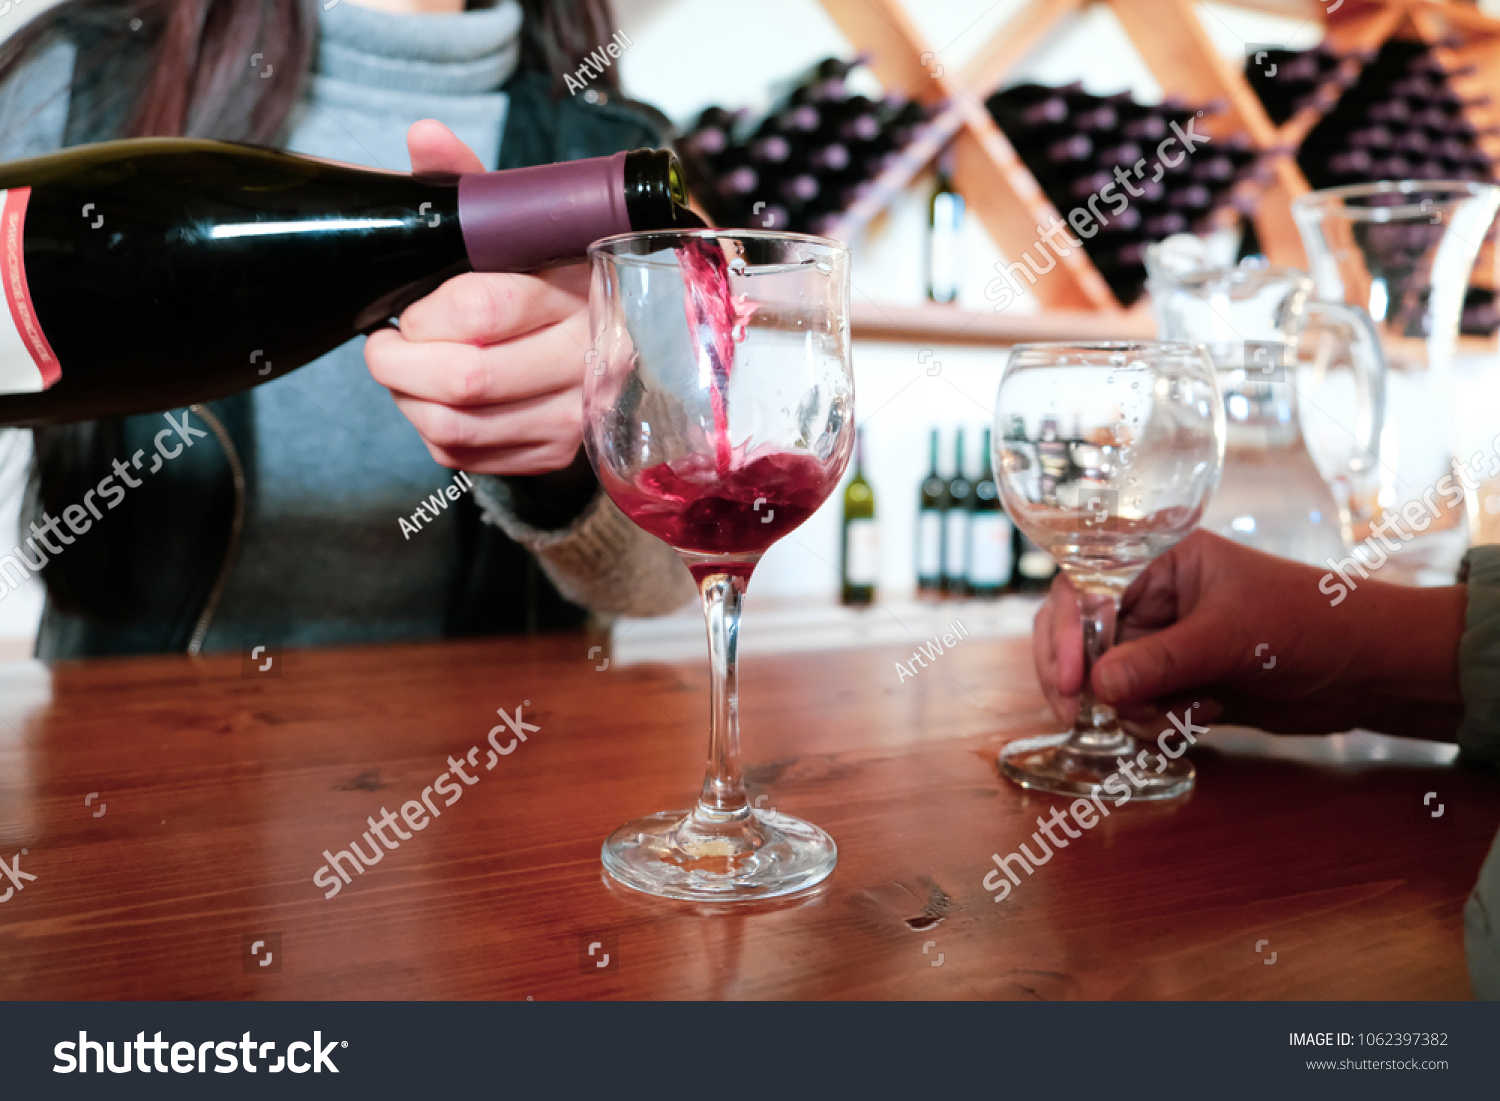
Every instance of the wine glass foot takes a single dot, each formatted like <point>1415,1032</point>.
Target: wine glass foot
<point>761,854</point>
<point>1056,764</point>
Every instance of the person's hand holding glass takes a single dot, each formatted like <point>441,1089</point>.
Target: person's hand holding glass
<point>1106,455</point>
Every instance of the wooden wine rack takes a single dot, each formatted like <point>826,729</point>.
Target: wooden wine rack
<point>1170,37</point>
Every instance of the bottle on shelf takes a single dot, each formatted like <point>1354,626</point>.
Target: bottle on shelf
<point>860,560</point>
<point>1034,567</point>
<point>820,82</point>
<point>930,551</point>
<point>990,533</point>
<point>958,507</point>
<point>945,227</point>
<point>1123,154</point>
<point>209,267</point>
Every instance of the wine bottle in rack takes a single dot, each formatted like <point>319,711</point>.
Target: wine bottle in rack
<point>1108,155</point>
<point>823,82</point>
<point>769,151</point>
<point>930,525</point>
<point>945,227</point>
<point>1023,95</point>
<point>990,533</point>
<point>958,507</point>
<point>860,561</point>
<point>211,267</point>
<point>732,192</point>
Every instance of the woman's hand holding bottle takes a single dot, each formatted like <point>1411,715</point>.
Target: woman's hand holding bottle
<point>488,367</point>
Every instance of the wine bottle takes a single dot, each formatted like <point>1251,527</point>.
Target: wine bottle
<point>1034,567</point>
<point>772,149</point>
<point>945,227</point>
<point>930,526</point>
<point>1125,153</point>
<point>990,533</point>
<point>860,562</point>
<point>151,273</point>
<point>958,506</point>
<point>1023,95</point>
<point>707,144</point>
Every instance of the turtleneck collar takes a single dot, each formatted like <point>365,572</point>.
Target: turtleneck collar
<point>464,53</point>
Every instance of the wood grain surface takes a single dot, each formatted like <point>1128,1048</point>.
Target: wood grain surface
<point>221,787</point>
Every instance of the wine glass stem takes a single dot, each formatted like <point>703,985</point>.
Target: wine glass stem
<point>1096,727</point>
<point>723,794</point>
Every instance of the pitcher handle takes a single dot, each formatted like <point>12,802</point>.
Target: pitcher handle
<point>1369,382</point>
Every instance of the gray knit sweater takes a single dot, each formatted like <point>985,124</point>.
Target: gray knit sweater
<point>323,558</point>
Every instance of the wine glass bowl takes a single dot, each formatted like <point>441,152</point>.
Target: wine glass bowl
<point>719,415</point>
<point>687,454</point>
<point>1106,456</point>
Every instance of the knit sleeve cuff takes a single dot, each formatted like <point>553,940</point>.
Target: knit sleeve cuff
<point>1479,657</point>
<point>601,561</point>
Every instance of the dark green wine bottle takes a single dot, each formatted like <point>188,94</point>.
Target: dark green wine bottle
<point>860,562</point>
<point>945,226</point>
<point>930,525</point>
<point>151,273</point>
<point>958,508</point>
<point>990,533</point>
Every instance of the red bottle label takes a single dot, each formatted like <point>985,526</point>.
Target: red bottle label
<point>27,362</point>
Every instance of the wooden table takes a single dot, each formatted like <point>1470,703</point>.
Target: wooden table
<point>218,789</point>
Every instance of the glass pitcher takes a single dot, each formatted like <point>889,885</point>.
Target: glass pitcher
<point>1271,495</point>
<point>1402,252</point>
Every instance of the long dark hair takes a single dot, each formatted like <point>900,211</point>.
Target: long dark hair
<point>192,77</point>
<point>180,68</point>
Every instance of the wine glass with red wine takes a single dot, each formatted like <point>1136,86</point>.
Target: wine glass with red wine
<point>1106,456</point>
<point>718,415</point>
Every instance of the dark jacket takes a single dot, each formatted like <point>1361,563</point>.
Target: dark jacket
<point>147,581</point>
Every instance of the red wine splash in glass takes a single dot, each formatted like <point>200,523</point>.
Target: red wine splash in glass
<point>689,505</point>
<point>716,323</point>
<point>737,505</point>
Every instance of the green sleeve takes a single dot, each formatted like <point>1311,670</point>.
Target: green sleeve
<point>1479,741</point>
<point>1479,657</point>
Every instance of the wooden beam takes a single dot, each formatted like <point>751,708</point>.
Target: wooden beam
<point>1011,206</point>
<point>936,324</point>
<point>926,145</point>
<point>899,56</point>
<point>1290,9</point>
<point>1366,28</point>
<point>1171,40</point>
<point>1279,237</point>
<point>987,172</point>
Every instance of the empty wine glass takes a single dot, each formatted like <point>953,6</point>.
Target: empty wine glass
<point>718,415</point>
<point>1142,452</point>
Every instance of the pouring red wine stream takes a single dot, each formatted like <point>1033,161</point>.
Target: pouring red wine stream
<point>732,506</point>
